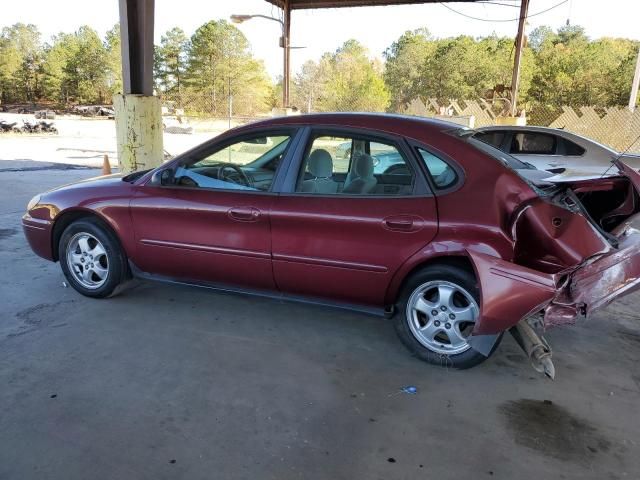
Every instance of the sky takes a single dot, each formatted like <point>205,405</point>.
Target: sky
<point>325,30</point>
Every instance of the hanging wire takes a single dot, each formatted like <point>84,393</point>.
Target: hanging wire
<point>489,2</point>
<point>620,155</point>
<point>502,20</point>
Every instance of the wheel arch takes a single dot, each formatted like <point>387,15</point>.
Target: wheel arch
<point>67,217</point>
<point>459,260</point>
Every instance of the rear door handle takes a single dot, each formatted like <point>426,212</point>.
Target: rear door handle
<point>244,214</point>
<point>403,223</point>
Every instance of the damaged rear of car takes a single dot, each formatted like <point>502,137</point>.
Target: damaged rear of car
<point>575,249</point>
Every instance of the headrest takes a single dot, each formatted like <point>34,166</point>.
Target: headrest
<point>363,165</point>
<point>320,164</point>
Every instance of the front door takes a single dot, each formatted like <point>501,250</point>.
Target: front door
<point>209,219</point>
<point>357,211</point>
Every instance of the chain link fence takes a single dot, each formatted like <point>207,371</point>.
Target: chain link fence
<point>614,126</point>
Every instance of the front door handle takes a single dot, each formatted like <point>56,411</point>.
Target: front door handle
<point>244,214</point>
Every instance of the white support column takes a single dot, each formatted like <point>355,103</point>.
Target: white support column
<point>138,111</point>
<point>138,132</point>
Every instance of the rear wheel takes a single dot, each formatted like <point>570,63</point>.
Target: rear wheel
<point>436,314</point>
<point>91,258</point>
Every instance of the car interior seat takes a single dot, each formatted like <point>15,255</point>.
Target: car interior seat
<point>320,166</point>
<point>361,178</point>
<point>517,143</point>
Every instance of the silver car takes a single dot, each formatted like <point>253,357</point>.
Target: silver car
<point>553,149</point>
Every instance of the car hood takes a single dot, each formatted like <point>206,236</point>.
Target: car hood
<point>101,181</point>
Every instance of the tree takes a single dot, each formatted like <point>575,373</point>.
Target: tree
<point>539,36</point>
<point>171,62</point>
<point>308,86</point>
<point>353,82</point>
<point>20,63</point>
<point>404,60</point>
<point>56,84</point>
<point>572,70</point>
<point>74,68</point>
<point>466,68</point>
<point>113,60</point>
<point>88,65</point>
<point>221,65</point>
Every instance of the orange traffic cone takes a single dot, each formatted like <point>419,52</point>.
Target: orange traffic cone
<point>106,166</point>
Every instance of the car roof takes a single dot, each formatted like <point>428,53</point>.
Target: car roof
<point>521,128</point>
<point>379,121</point>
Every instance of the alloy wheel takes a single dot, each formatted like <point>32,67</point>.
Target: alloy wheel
<point>87,260</point>
<point>441,316</point>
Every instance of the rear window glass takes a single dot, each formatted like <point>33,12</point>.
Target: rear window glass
<point>494,139</point>
<point>533,143</point>
<point>504,158</point>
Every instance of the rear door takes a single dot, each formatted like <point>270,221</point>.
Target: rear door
<point>346,246</point>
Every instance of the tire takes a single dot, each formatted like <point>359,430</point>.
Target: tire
<point>440,339</point>
<point>88,242</point>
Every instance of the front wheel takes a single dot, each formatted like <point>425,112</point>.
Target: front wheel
<point>436,314</point>
<point>91,258</point>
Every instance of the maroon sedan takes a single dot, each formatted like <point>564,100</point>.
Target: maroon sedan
<point>455,240</point>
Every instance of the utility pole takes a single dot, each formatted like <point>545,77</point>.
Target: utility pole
<point>633,98</point>
<point>286,32</point>
<point>230,103</point>
<point>285,44</point>
<point>515,79</point>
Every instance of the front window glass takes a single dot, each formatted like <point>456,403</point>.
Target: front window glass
<point>249,164</point>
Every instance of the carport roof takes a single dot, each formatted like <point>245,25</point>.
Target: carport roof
<point>306,4</point>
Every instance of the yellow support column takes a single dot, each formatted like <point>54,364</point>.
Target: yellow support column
<point>138,132</point>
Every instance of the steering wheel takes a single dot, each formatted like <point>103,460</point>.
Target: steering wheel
<point>229,172</point>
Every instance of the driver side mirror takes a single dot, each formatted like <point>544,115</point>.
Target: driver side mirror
<point>163,177</point>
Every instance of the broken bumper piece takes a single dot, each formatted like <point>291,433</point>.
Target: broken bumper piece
<point>598,282</point>
<point>511,292</point>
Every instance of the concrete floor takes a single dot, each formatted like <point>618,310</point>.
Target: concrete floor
<point>84,141</point>
<point>175,382</point>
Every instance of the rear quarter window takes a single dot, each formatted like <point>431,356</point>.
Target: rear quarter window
<point>442,174</point>
<point>572,149</point>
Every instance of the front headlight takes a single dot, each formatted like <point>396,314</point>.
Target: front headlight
<point>33,202</point>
